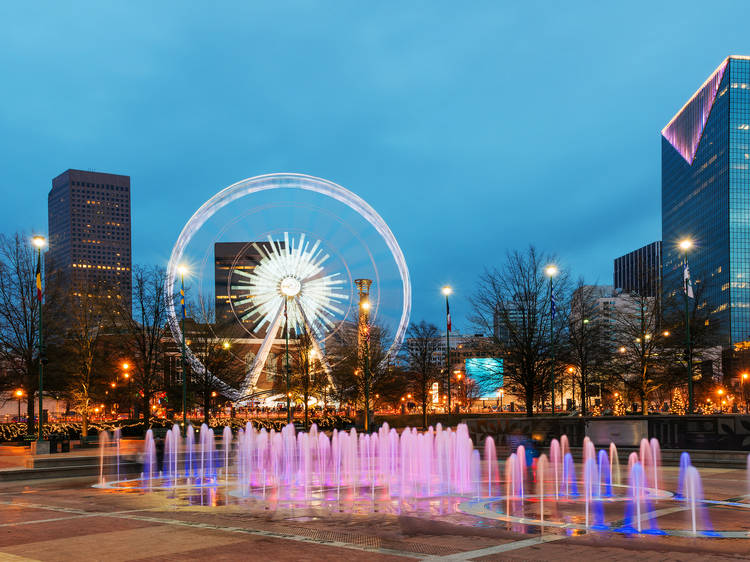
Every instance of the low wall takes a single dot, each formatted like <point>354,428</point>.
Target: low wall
<point>728,432</point>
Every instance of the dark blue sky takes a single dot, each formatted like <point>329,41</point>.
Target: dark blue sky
<point>471,127</point>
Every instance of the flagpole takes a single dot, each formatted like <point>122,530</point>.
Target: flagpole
<point>447,291</point>
<point>39,242</point>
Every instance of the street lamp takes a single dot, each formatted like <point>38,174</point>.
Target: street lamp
<point>685,246</point>
<point>551,271</point>
<point>39,242</point>
<point>182,271</point>
<point>720,392</point>
<point>447,290</point>
<point>19,395</point>
<point>744,390</point>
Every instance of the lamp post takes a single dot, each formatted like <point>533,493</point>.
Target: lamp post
<point>685,245</point>
<point>720,392</point>
<point>183,270</point>
<point>39,242</point>
<point>447,290</point>
<point>363,340</point>
<point>126,376</point>
<point>744,390</point>
<point>19,395</point>
<point>551,271</point>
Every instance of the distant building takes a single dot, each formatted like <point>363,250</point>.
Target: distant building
<point>706,199</point>
<point>639,271</point>
<point>89,232</point>
<point>230,257</point>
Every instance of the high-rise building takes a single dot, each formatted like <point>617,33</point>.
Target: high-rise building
<point>639,271</point>
<point>706,199</point>
<point>89,232</point>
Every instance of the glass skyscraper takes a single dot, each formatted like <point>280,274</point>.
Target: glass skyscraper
<point>706,198</point>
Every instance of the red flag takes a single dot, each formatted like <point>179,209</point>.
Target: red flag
<point>448,314</point>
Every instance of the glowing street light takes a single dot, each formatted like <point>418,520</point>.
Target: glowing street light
<point>551,271</point>
<point>447,291</point>
<point>39,242</point>
<point>685,246</point>
<point>19,394</point>
<point>183,270</point>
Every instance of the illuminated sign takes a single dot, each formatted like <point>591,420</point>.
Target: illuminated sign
<point>487,372</point>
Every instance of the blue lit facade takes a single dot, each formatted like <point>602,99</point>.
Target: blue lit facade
<point>706,198</point>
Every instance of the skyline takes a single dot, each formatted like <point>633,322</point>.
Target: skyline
<point>369,118</point>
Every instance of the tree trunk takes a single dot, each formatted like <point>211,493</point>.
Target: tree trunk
<point>529,399</point>
<point>145,404</point>
<point>85,424</point>
<point>206,406</point>
<point>306,397</point>
<point>424,411</point>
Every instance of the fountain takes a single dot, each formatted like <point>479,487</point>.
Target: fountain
<point>424,471</point>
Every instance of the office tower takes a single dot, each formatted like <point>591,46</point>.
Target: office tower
<point>639,271</point>
<point>706,199</point>
<point>89,233</point>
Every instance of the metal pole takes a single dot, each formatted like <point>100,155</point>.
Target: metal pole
<point>366,366</point>
<point>552,343</point>
<point>41,356</point>
<point>184,366</point>
<point>687,342</point>
<point>286,341</point>
<point>448,351</point>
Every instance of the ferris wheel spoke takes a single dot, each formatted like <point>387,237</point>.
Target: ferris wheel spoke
<point>265,348</point>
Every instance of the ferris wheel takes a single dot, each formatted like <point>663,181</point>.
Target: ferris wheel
<point>297,243</point>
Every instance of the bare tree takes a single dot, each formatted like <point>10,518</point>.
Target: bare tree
<point>218,361</point>
<point>345,359</point>
<point>513,304</point>
<point>143,329</point>
<point>643,354</point>
<point>588,342</point>
<point>19,318</point>
<point>82,349</point>
<point>422,355</point>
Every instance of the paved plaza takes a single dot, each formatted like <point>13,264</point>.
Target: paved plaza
<point>68,519</point>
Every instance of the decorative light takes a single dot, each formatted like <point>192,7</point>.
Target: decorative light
<point>125,366</point>
<point>666,333</point>
<point>686,244</point>
<point>551,270</point>
<point>182,270</point>
<point>19,393</point>
<point>291,271</point>
<point>447,290</point>
<point>38,241</point>
<point>225,345</point>
<point>685,129</point>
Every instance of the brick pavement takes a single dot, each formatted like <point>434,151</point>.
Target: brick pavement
<point>69,520</point>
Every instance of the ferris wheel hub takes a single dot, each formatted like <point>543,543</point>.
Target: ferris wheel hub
<point>290,286</point>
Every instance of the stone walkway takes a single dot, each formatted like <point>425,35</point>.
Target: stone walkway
<point>66,519</point>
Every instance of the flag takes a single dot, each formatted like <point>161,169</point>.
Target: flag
<point>448,314</point>
<point>39,280</point>
<point>182,301</point>
<point>688,285</point>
